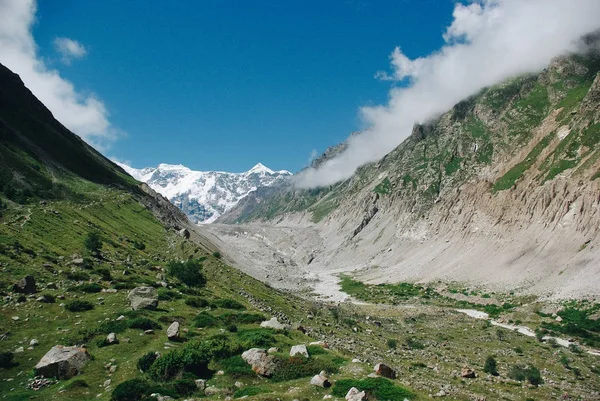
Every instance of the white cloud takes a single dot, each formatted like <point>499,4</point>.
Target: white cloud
<point>85,115</point>
<point>69,49</point>
<point>487,42</point>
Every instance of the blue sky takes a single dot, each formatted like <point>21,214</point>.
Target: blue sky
<point>226,84</point>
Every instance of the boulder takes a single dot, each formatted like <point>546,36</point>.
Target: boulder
<point>273,323</point>
<point>200,384</point>
<point>467,373</point>
<point>299,350</point>
<point>320,380</point>
<point>321,344</point>
<point>173,331</point>
<point>25,286</point>
<point>62,362</point>
<point>112,338</point>
<point>385,371</point>
<point>143,298</point>
<point>261,362</point>
<point>184,233</point>
<point>355,394</point>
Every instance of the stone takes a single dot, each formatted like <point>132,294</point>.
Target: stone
<point>321,344</point>
<point>25,286</point>
<point>184,233</point>
<point>19,350</point>
<point>173,331</point>
<point>355,394</point>
<point>200,384</point>
<point>320,381</point>
<point>107,382</point>
<point>212,390</point>
<point>467,373</point>
<point>120,318</point>
<point>273,323</point>
<point>261,362</point>
<point>33,342</point>
<point>112,338</point>
<point>299,350</point>
<point>78,261</point>
<point>62,362</point>
<point>272,350</point>
<point>143,298</point>
<point>385,371</point>
<point>149,331</point>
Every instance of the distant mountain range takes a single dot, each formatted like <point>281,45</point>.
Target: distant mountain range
<point>205,195</point>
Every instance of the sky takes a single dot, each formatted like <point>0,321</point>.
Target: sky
<point>215,84</point>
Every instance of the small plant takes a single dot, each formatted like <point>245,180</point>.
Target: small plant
<point>196,302</point>
<point>89,288</point>
<point>228,304</point>
<point>574,348</point>
<point>146,361</point>
<point>217,254</point>
<point>6,360</point>
<point>552,342</point>
<point>519,350</point>
<point>490,366</point>
<point>205,319</point>
<point>93,242</point>
<point>392,343</point>
<point>143,323</point>
<point>529,373</point>
<point>79,306</point>
<point>413,343</point>
<point>189,273</point>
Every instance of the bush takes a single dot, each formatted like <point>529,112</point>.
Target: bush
<point>241,318</point>
<point>256,338</point>
<point>490,366</point>
<point>165,294</point>
<point>413,343</point>
<point>49,298</point>
<point>79,306</point>
<point>89,288</point>
<point>143,323</point>
<point>236,367</point>
<point>298,366</point>
<point>232,328</point>
<point>184,386</point>
<point>189,273</point>
<point>104,273</point>
<point>392,343</point>
<point>146,361</point>
<point>227,303</point>
<point>78,276</point>
<point>382,389</point>
<point>250,391</point>
<point>217,255</point>
<point>205,319</point>
<point>196,302</point>
<point>6,360</point>
<point>531,373</point>
<point>315,350</point>
<point>131,390</point>
<point>93,242</point>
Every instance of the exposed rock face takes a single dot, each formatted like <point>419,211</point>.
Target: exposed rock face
<point>261,362</point>
<point>173,331</point>
<point>25,286</point>
<point>385,371</point>
<point>273,323</point>
<point>299,350</point>
<point>355,394</point>
<point>143,298</point>
<point>62,362</point>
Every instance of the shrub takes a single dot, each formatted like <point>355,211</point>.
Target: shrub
<point>205,319</point>
<point>490,366</point>
<point>382,389</point>
<point>104,273</point>
<point>189,273</point>
<point>298,366</point>
<point>146,361</point>
<point>49,298</point>
<point>130,390</point>
<point>184,386</point>
<point>531,373</point>
<point>78,276</point>
<point>250,391</point>
<point>165,294</point>
<point>227,303</point>
<point>236,367</point>
<point>89,288</point>
<point>242,318</point>
<point>196,302</point>
<point>140,246</point>
<point>232,328</point>
<point>217,254</point>
<point>392,343</point>
<point>256,338</point>
<point>315,350</point>
<point>413,343</point>
<point>143,323</point>
<point>79,306</point>
<point>93,242</point>
<point>77,384</point>
<point>6,360</point>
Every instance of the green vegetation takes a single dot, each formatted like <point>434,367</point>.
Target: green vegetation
<point>79,306</point>
<point>93,242</point>
<point>529,373</point>
<point>490,366</point>
<point>384,187</point>
<point>296,367</point>
<point>382,389</point>
<point>189,272</point>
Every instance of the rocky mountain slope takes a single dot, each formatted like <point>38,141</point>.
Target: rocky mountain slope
<point>205,195</point>
<point>500,191</point>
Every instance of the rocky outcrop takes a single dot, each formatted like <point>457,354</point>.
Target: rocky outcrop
<point>25,286</point>
<point>320,380</point>
<point>62,362</point>
<point>143,298</point>
<point>385,371</point>
<point>355,394</point>
<point>299,350</point>
<point>273,323</point>
<point>261,362</point>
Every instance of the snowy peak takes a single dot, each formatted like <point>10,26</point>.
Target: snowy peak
<point>205,195</point>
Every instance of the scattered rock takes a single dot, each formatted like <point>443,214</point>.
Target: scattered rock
<point>261,362</point>
<point>120,318</point>
<point>62,362</point>
<point>149,331</point>
<point>200,384</point>
<point>25,286</point>
<point>273,323</point>
<point>33,342</point>
<point>112,338</point>
<point>320,380</point>
<point>299,350</point>
<point>212,390</point>
<point>272,350</point>
<point>143,298</point>
<point>173,331</point>
<point>184,233</point>
<point>39,382</point>
<point>321,344</point>
<point>355,394</point>
<point>467,373</point>
<point>385,371</point>
<point>19,350</point>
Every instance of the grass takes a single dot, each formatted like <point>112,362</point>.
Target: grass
<point>384,187</point>
<point>382,389</point>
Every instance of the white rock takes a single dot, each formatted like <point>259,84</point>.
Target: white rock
<point>299,350</point>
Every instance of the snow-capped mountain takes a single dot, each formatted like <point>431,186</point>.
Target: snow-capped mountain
<point>205,195</point>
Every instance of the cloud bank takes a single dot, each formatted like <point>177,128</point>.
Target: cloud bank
<point>69,49</point>
<point>487,42</point>
<point>84,114</point>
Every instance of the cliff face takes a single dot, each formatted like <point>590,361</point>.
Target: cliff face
<point>503,190</point>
